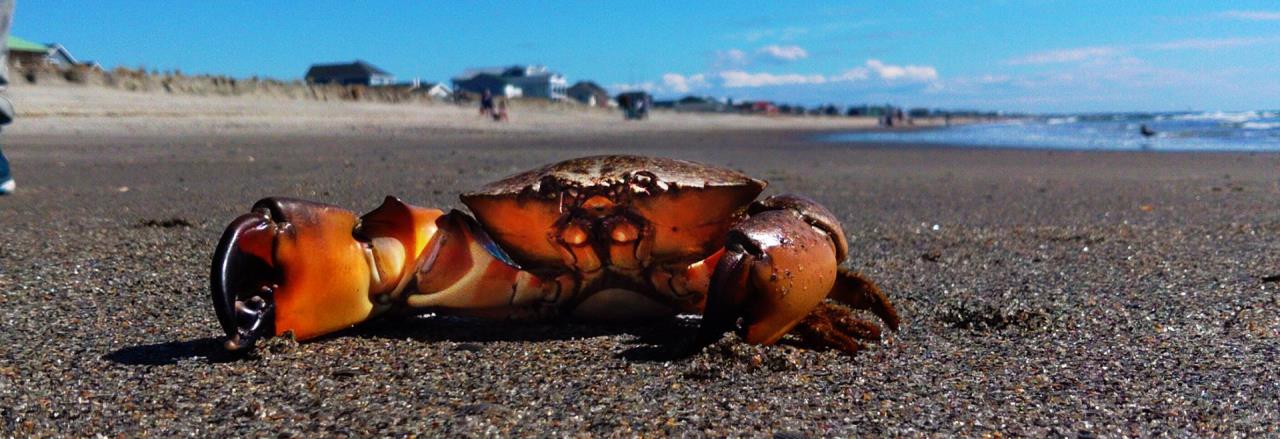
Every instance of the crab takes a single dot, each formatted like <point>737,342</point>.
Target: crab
<point>607,239</point>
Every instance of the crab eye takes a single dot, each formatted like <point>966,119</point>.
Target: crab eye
<point>624,232</point>
<point>574,235</point>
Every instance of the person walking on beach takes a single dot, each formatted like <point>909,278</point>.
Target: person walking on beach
<point>7,185</point>
<point>486,103</point>
<point>501,114</point>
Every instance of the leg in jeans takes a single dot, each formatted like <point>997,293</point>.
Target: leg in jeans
<point>6,17</point>
<point>4,169</point>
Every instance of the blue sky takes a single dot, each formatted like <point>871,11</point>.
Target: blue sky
<point>1040,56</point>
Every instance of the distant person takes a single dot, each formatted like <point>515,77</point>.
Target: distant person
<point>486,103</point>
<point>1146,131</point>
<point>501,114</point>
<point>7,185</point>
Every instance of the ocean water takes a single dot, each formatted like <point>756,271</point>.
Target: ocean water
<point>1186,131</point>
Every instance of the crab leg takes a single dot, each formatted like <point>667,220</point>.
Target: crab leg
<point>778,267</point>
<point>463,272</point>
<point>312,269</point>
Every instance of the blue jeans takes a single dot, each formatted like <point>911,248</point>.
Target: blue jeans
<point>4,168</point>
<point>6,17</point>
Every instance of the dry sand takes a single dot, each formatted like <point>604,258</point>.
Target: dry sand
<point>1063,293</point>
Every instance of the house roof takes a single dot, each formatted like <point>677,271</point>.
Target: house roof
<point>22,45</point>
<point>691,99</point>
<point>588,85</point>
<point>512,71</point>
<point>355,68</point>
<point>487,77</point>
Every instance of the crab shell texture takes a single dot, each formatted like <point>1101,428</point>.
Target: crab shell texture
<point>674,211</point>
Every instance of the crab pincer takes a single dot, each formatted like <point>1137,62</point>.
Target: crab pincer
<point>779,266</point>
<point>309,268</point>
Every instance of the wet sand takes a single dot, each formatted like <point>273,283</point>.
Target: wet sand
<point>1071,293</point>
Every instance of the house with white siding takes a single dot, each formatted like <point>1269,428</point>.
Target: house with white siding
<point>514,81</point>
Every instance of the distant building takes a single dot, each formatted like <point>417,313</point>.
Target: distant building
<point>496,85</point>
<point>704,104</point>
<point>531,81</point>
<point>435,89</point>
<point>757,107</point>
<point>24,53</point>
<point>353,73</point>
<point>589,93</point>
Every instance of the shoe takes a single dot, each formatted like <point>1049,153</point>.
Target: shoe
<point>7,187</point>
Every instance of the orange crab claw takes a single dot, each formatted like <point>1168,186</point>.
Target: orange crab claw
<point>775,270</point>
<point>778,267</point>
<point>310,268</point>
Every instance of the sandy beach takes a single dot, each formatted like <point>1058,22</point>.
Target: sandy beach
<point>1044,293</point>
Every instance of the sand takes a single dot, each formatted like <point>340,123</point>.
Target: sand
<point>1044,293</point>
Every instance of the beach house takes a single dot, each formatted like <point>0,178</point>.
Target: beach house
<point>436,90</point>
<point>24,53</point>
<point>530,81</point>
<point>589,93</point>
<point>477,84</point>
<point>357,72</point>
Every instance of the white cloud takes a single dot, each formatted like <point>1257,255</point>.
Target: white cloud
<point>783,53</point>
<point>854,74</point>
<point>738,78</point>
<point>730,58</point>
<point>1108,54</point>
<point>648,86</point>
<point>909,73</point>
<point>671,83</point>
<point>1212,43</point>
<point>992,79</point>
<point>1065,55</point>
<point>736,59</point>
<point>889,72</point>
<point>1251,15</point>
<point>678,83</point>
<point>873,68</point>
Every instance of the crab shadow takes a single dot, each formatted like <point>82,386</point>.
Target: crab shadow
<point>663,340</point>
<point>172,352</point>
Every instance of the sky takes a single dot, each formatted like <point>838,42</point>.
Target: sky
<point>1028,56</point>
